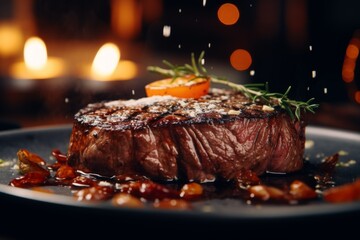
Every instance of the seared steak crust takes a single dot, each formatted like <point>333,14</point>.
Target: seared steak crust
<point>166,138</point>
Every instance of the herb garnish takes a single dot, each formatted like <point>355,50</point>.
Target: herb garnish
<point>257,92</point>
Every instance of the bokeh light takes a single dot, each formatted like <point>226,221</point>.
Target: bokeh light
<point>357,96</point>
<point>106,60</point>
<point>351,56</point>
<point>11,40</point>
<point>240,59</point>
<point>228,14</point>
<point>352,51</point>
<point>349,67</point>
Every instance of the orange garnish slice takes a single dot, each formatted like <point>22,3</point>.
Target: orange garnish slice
<point>183,87</point>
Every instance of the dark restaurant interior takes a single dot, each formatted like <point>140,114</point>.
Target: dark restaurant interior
<point>312,46</point>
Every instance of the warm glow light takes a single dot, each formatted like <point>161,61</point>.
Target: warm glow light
<point>352,51</point>
<point>357,96</point>
<point>228,14</point>
<point>107,66</point>
<point>106,60</point>
<point>348,70</point>
<point>348,75</point>
<point>349,65</point>
<point>126,70</point>
<point>35,54</point>
<point>240,59</point>
<point>127,17</point>
<point>36,64</point>
<point>10,39</point>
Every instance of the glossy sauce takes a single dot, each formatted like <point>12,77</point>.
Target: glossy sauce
<point>135,191</point>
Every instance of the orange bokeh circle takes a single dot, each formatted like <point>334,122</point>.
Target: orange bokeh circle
<point>240,59</point>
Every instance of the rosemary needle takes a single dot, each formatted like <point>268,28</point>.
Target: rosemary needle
<point>257,93</point>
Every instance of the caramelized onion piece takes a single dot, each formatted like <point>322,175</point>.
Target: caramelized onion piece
<point>30,179</point>
<point>126,200</point>
<point>82,181</point>
<point>191,191</point>
<point>29,156</point>
<point>265,193</point>
<point>32,170</point>
<point>344,193</point>
<point>60,157</point>
<point>95,193</point>
<point>65,172</point>
<point>30,163</point>
<point>301,191</point>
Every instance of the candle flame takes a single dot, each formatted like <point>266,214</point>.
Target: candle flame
<point>35,54</point>
<point>106,60</point>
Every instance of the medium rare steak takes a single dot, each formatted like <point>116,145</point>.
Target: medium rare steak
<point>164,138</point>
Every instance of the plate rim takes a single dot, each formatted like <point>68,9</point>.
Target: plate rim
<point>251,212</point>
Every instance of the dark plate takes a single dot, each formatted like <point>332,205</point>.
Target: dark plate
<point>224,212</point>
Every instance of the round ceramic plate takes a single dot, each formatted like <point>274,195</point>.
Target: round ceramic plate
<point>324,141</point>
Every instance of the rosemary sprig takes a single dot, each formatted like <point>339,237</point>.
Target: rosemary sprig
<point>257,93</point>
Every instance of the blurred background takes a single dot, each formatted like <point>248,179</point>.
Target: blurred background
<point>311,45</point>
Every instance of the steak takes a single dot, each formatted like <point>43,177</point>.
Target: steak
<point>165,138</point>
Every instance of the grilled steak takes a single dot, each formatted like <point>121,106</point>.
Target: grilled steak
<point>164,138</point>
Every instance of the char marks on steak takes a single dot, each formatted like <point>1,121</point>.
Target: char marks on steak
<point>166,138</point>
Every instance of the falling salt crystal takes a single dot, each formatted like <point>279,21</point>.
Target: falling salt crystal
<point>308,88</point>
<point>179,10</point>
<point>66,100</point>
<point>252,72</point>
<point>179,46</point>
<point>313,73</point>
<point>325,91</point>
<point>310,48</point>
<point>209,45</point>
<point>133,92</point>
<point>202,61</point>
<point>250,5</point>
<point>204,3</point>
<point>166,31</point>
